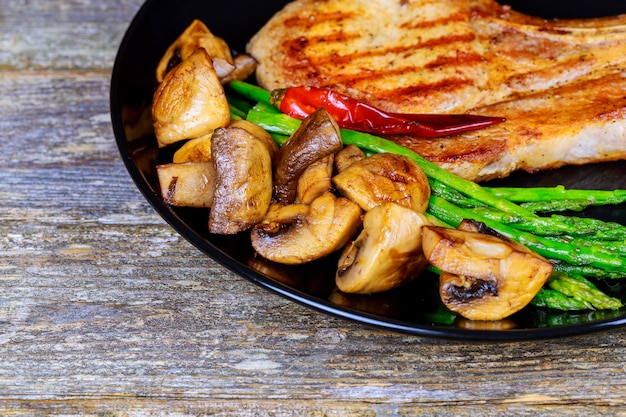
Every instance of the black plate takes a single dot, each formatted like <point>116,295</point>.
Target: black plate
<point>415,308</point>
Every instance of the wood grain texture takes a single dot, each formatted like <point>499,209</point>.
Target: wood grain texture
<point>106,311</point>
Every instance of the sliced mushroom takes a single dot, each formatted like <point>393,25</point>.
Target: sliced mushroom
<point>471,225</point>
<point>199,149</point>
<point>243,180</point>
<point>245,65</point>
<point>484,277</point>
<point>347,156</point>
<point>384,178</point>
<point>299,233</point>
<point>223,68</point>
<point>386,254</point>
<point>188,184</point>
<point>190,102</point>
<point>317,137</point>
<point>196,35</point>
<point>194,150</point>
<point>315,180</point>
<point>259,133</point>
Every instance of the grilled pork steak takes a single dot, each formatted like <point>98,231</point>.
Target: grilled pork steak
<point>561,84</point>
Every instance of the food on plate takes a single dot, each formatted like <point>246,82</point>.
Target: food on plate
<point>560,84</point>
<point>188,184</point>
<point>581,251</point>
<point>300,102</point>
<point>483,277</point>
<point>387,252</point>
<point>199,149</point>
<point>245,66</point>
<point>197,35</point>
<point>190,102</point>
<point>317,137</point>
<point>347,156</point>
<point>194,150</point>
<point>315,180</point>
<point>384,178</point>
<point>385,211</point>
<point>243,179</point>
<point>299,233</point>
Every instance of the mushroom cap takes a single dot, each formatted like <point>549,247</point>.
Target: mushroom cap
<point>243,180</point>
<point>315,180</point>
<point>484,277</point>
<point>194,150</point>
<point>196,35</point>
<point>386,254</point>
<point>384,178</point>
<point>300,233</point>
<point>190,102</point>
<point>317,137</point>
<point>245,65</point>
<point>188,184</point>
<point>347,156</point>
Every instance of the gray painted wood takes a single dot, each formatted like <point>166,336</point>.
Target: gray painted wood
<point>105,310</point>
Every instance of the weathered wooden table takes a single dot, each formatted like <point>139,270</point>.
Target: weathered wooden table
<point>105,310</point>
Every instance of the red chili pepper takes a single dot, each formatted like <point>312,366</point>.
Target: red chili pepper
<point>300,102</point>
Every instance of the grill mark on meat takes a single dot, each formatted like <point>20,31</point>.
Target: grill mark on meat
<point>317,65</point>
<point>561,84</point>
<point>299,60</point>
<point>333,37</point>
<point>460,58</point>
<point>448,40</point>
<point>299,46</point>
<point>406,50</point>
<point>567,70</point>
<point>321,68</point>
<point>485,151</point>
<point>445,85</point>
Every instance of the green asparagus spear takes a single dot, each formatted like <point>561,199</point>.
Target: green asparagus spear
<point>547,194</point>
<point>266,107</point>
<point>587,271</point>
<point>450,194</point>
<point>237,114</point>
<point>617,247</point>
<point>241,105</point>
<point>250,91</point>
<point>557,300</point>
<point>556,206</point>
<point>557,225</point>
<point>605,230</point>
<point>274,123</point>
<point>584,290</point>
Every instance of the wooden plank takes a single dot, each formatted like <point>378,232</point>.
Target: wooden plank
<point>245,408</point>
<point>106,310</point>
<point>44,35</point>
